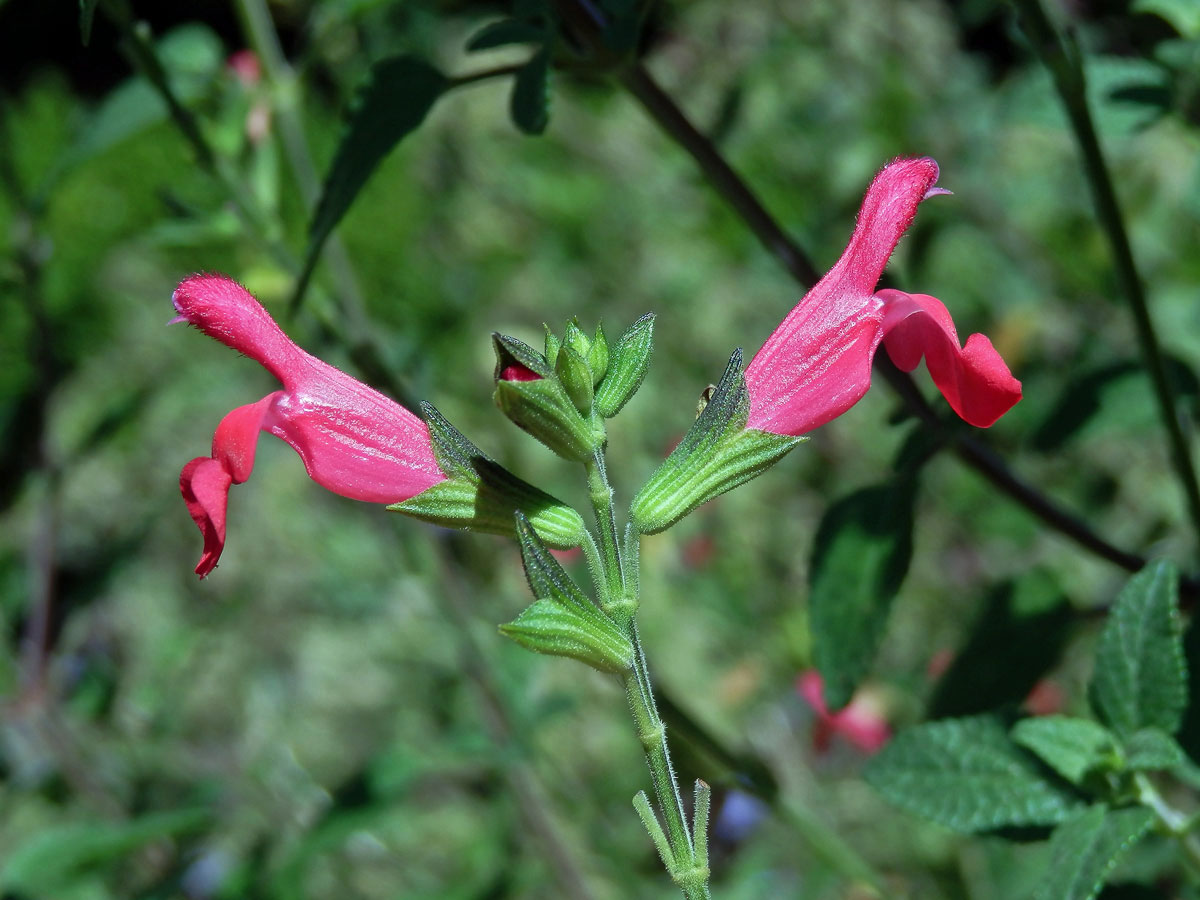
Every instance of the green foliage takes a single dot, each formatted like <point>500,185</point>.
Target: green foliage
<point>1018,637</point>
<point>50,860</point>
<point>505,32</point>
<point>1140,680</point>
<point>398,94</point>
<point>968,775</point>
<point>861,554</point>
<point>1074,748</point>
<point>87,14</point>
<point>1086,848</point>
<point>530,103</point>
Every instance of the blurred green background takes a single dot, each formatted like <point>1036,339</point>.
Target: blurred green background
<point>332,713</point>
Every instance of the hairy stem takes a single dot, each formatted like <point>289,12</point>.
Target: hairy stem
<point>621,604</point>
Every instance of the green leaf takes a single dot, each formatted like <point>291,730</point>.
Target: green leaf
<point>1072,747</point>
<point>860,557</point>
<point>1153,750</point>
<point>1183,15</point>
<point>45,862</point>
<point>504,33</point>
<point>87,13</point>
<point>1086,848</point>
<point>968,775</point>
<point>1140,679</point>
<point>628,360</point>
<point>530,102</point>
<point>1017,639</point>
<point>398,95</point>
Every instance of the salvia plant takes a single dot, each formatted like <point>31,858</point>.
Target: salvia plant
<point>1092,795</point>
<point>815,366</point>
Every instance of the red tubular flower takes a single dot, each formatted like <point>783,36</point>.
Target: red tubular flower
<point>354,441</point>
<point>817,363</point>
<point>861,723</point>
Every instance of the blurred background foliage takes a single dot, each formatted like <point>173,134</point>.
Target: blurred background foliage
<point>332,713</point>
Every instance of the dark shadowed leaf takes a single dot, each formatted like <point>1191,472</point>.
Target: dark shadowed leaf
<point>1086,848</point>
<point>504,33</point>
<point>968,775</point>
<point>860,557</point>
<point>1017,639</point>
<point>530,103</point>
<point>1086,397</point>
<point>87,12</point>
<point>398,95</point>
<point>1140,679</point>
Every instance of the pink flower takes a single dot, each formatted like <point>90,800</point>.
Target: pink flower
<point>354,441</point>
<point>817,363</point>
<point>861,723</point>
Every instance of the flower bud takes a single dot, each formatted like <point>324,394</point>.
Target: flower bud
<point>597,356</point>
<point>530,393</point>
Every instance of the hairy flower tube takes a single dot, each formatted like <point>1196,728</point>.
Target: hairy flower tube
<point>817,363</point>
<point>353,440</point>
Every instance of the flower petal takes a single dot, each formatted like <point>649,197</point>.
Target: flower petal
<point>204,484</point>
<point>205,481</point>
<point>974,379</point>
<point>817,363</point>
<point>223,309</point>
<point>354,440</point>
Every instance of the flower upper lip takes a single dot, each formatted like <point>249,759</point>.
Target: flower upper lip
<point>817,363</point>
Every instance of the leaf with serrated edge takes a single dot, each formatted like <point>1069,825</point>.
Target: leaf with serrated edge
<point>1152,750</point>
<point>1140,679</point>
<point>1072,747</point>
<point>1085,849</point>
<point>968,775</point>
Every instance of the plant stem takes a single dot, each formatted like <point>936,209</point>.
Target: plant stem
<point>691,878</point>
<point>1176,823</point>
<point>622,604</point>
<point>601,493</point>
<point>1061,56</point>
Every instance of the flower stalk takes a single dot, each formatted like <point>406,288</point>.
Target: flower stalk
<point>678,848</point>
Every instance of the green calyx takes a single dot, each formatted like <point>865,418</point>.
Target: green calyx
<point>563,621</point>
<point>716,455</point>
<point>479,494</point>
